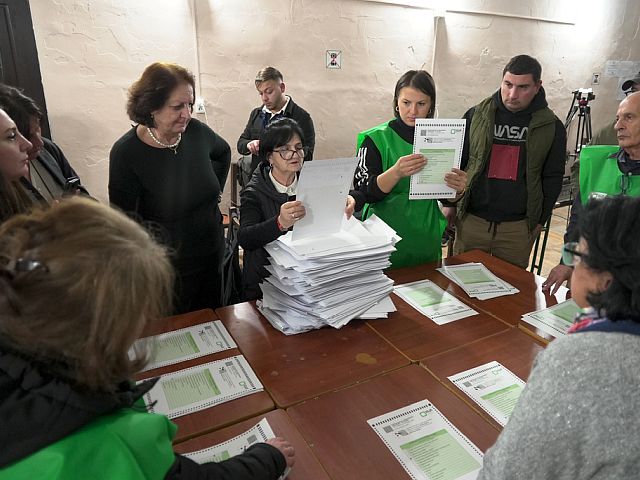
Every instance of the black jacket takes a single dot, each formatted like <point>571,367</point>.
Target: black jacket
<point>501,200</point>
<point>257,123</point>
<point>260,204</point>
<point>38,407</point>
<point>50,171</point>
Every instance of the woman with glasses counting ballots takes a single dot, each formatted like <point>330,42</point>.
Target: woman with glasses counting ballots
<point>268,207</point>
<point>578,415</point>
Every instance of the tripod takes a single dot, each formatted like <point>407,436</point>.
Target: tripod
<point>580,105</point>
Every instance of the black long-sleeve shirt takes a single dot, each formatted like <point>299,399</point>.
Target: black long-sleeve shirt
<point>177,191</point>
<point>365,180</point>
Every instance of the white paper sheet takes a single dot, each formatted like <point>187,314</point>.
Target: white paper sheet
<point>433,302</point>
<point>478,281</point>
<point>323,191</point>
<point>493,387</point>
<point>426,444</point>
<point>186,344</point>
<point>259,433</point>
<point>556,320</point>
<point>440,141</point>
<point>203,386</point>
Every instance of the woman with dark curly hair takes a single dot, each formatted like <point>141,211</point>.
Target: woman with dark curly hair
<point>168,171</point>
<point>578,416</point>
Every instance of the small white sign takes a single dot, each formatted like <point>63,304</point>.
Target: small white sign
<point>334,58</point>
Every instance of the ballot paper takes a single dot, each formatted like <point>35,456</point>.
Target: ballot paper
<point>478,281</point>
<point>493,387</point>
<point>556,320</point>
<point>379,310</point>
<point>328,279</point>
<point>203,386</point>
<point>433,302</point>
<point>323,190</point>
<point>185,344</point>
<point>259,433</point>
<point>440,141</point>
<point>426,444</point>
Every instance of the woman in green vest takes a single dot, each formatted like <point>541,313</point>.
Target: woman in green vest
<point>78,282</point>
<point>387,162</point>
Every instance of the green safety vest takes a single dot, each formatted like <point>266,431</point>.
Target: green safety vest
<point>420,223</point>
<point>127,444</point>
<point>601,174</point>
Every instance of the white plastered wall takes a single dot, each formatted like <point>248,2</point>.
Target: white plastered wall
<point>91,51</point>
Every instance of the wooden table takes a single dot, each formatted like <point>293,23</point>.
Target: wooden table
<point>306,464</point>
<point>508,308</point>
<point>335,424</point>
<point>298,367</point>
<point>176,322</point>
<point>220,415</point>
<point>419,337</point>
<point>513,349</point>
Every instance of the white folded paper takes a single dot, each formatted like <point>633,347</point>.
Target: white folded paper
<point>433,302</point>
<point>493,387</point>
<point>556,320</point>
<point>478,281</point>
<point>203,386</point>
<point>185,344</point>
<point>427,444</point>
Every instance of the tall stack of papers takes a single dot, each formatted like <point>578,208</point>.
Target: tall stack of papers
<point>329,279</point>
<point>478,281</point>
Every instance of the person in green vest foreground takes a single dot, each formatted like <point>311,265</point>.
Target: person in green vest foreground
<point>514,155</point>
<point>385,164</point>
<point>605,170</point>
<point>78,283</point>
<point>577,418</point>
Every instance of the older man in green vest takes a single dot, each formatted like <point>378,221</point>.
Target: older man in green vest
<point>605,170</point>
<point>514,156</point>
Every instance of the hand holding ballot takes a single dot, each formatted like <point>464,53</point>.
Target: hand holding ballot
<point>290,213</point>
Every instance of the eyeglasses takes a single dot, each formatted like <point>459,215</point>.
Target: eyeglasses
<point>570,256</point>
<point>287,154</point>
<point>624,184</point>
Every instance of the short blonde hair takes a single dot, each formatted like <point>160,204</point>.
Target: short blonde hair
<point>90,278</point>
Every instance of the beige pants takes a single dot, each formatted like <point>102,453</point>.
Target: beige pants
<point>510,241</point>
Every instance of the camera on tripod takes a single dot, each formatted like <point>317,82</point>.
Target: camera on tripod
<point>580,106</point>
<point>583,95</point>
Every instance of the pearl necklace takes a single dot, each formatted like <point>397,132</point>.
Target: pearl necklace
<point>173,146</point>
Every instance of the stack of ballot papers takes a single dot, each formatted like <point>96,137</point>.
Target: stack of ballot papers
<point>330,279</point>
<point>477,281</point>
